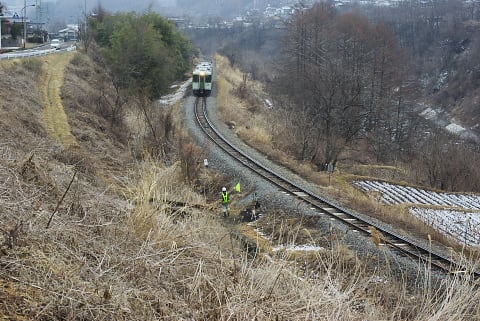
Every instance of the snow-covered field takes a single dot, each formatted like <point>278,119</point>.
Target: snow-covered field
<point>456,215</point>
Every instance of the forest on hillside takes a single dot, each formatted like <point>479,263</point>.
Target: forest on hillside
<point>349,85</point>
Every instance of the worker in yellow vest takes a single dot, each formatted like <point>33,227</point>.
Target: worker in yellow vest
<point>225,202</point>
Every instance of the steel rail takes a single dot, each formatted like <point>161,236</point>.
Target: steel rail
<point>399,243</point>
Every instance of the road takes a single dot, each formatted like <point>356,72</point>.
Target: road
<point>41,50</point>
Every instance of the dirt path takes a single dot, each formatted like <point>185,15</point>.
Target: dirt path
<point>55,118</point>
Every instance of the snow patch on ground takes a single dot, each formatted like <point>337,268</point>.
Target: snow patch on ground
<point>298,248</point>
<point>455,215</point>
<point>174,97</point>
<point>455,129</point>
<point>437,117</point>
<point>428,113</point>
<point>268,104</point>
<point>290,247</point>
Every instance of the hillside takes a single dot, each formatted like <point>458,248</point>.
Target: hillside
<point>89,232</point>
<point>56,198</point>
<point>453,92</point>
<point>73,245</point>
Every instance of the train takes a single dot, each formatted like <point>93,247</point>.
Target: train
<point>202,79</point>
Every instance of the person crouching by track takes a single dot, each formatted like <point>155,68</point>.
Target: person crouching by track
<point>225,202</point>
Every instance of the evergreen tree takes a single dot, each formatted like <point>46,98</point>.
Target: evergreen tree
<point>144,52</point>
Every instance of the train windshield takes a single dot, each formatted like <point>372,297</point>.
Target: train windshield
<point>195,78</point>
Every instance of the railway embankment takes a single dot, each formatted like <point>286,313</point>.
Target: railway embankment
<point>285,219</point>
<point>272,193</point>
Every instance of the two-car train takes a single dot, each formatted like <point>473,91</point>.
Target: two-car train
<point>202,79</point>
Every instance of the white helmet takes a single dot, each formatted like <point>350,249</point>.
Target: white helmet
<point>224,189</point>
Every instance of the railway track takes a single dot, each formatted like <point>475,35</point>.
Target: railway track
<point>396,242</point>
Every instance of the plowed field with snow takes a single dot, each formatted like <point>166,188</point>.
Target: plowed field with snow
<point>456,215</point>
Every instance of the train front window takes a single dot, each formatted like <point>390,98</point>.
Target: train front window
<point>195,78</point>
<point>209,78</point>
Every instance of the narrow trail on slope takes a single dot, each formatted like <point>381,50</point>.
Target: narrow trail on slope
<point>55,118</point>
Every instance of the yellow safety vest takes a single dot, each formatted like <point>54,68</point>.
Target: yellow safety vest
<point>226,197</point>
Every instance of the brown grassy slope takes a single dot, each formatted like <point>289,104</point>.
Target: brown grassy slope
<point>129,256</point>
<point>84,98</point>
<point>21,106</point>
<point>43,268</point>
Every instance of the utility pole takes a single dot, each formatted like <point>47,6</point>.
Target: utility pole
<point>39,18</point>
<point>85,16</point>
<point>39,13</point>
<point>1,17</point>
<point>25,21</point>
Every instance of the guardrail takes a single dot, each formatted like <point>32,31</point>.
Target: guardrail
<point>35,53</point>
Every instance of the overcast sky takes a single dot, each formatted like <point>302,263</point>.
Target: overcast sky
<point>58,12</point>
<point>114,5</point>
<point>110,5</point>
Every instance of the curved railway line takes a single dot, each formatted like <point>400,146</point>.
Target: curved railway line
<point>398,243</point>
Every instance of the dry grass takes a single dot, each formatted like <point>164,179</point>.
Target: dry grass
<point>237,111</point>
<point>256,134</point>
<point>390,173</point>
<point>55,118</point>
<point>119,248</point>
<point>360,293</point>
<point>117,266</point>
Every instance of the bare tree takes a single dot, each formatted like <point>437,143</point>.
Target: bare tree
<point>345,75</point>
<point>448,164</point>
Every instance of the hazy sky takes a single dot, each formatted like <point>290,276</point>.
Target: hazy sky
<point>68,8</point>
<point>56,14</point>
<point>73,7</point>
<point>60,12</point>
